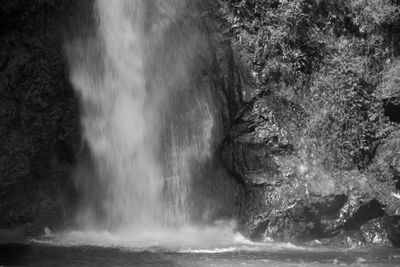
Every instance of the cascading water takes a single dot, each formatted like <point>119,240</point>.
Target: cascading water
<point>144,123</point>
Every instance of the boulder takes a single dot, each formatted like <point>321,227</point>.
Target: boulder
<point>384,173</point>
<point>392,226</point>
<point>375,232</point>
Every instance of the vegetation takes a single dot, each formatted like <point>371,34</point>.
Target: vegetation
<point>336,59</point>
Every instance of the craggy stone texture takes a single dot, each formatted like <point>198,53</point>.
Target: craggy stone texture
<point>293,191</point>
<point>39,127</point>
<point>288,197</point>
<point>258,134</point>
<point>376,232</point>
<point>385,173</point>
<point>259,147</point>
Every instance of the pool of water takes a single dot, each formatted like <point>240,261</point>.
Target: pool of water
<point>38,254</point>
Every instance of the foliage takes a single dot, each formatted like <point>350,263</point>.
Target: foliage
<point>369,15</point>
<point>329,57</point>
<point>390,86</point>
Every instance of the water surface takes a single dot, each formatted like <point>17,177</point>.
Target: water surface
<point>34,254</point>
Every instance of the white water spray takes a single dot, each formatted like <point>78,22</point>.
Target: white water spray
<point>143,124</point>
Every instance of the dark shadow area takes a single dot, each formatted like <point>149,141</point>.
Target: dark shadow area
<point>14,254</point>
<point>392,109</point>
<point>365,213</point>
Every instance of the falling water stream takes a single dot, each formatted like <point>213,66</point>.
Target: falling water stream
<point>142,120</point>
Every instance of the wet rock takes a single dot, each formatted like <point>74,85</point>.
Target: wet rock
<point>375,232</point>
<point>288,199</point>
<point>306,220</point>
<point>311,217</point>
<point>393,207</point>
<point>385,172</point>
<point>365,213</point>
<point>392,226</point>
<point>320,183</point>
<point>259,149</point>
<point>227,79</point>
<point>251,162</point>
<point>216,194</point>
<point>346,239</point>
<point>292,192</point>
<point>384,178</point>
<point>266,129</point>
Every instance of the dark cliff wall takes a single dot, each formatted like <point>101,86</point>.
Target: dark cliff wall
<point>39,126</point>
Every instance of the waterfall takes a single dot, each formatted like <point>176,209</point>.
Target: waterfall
<point>145,125</point>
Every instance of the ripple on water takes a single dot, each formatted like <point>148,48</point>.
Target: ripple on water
<point>204,246</point>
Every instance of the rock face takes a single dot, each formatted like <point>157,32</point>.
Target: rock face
<point>385,181</point>
<point>39,127</point>
<point>306,176</point>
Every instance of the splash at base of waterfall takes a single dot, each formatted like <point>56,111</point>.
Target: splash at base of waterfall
<point>221,237</point>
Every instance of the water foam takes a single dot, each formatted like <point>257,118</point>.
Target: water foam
<point>216,239</point>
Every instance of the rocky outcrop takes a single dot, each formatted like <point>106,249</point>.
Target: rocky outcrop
<point>385,180</point>
<point>259,148</point>
<point>385,173</point>
<point>378,232</point>
<point>289,196</point>
<point>292,199</point>
<point>294,190</point>
<point>289,199</point>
